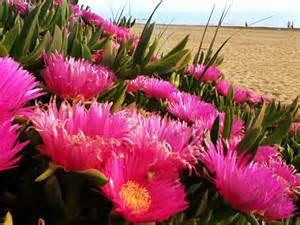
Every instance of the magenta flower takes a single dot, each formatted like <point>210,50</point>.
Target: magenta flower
<point>138,191</point>
<point>253,98</point>
<point>107,26</point>
<point>295,128</point>
<point>75,9</point>
<point>78,138</point>
<point>75,79</point>
<point>174,137</point>
<point>249,187</point>
<point>265,153</point>
<point>266,99</point>
<point>58,2</point>
<point>21,5</point>
<point>270,157</point>
<point>17,87</point>
<point>240,95</point>
<point>151,86</point>
<point>223,87</point>
<point>212,73</point>
<point>203,127</point>
<point>9,147</point>
<point>190,108</point>
<point>90,16</point>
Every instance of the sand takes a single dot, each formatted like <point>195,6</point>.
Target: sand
<point>266,60</point>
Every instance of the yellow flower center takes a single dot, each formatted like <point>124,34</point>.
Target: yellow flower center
<point>135,197</point>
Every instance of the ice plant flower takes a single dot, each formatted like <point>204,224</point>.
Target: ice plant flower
<point>151,86</point>
<point>176,138</point>
<point>249,187</point>
<point>253,98</point>
<point>202,128</point>
<point>270,157</point>
<point>75,9</point>
<point>21,5</point>
<point>75,79</point>
<point>107,26</point>
<point>295,128</point>
<point>211,74</point>
<point>240,95</point>
<point>223,87</point>
<point>17,87</point>
<point>78,138</point>
<point>138,192</point>
<point>190,108</point>
<point>58,2</point>
<point>9,147</point>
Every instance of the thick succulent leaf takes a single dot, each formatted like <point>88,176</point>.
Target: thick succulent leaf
<point>25,39</point>
<point>249,139</point>
<point>37,51</point>
<point>11,36</point>
<point>166,65</point>
<point>143,44</point>
<point>180,46</point>
<point>228,123</point>
<point>96,178</point>
<point>56,44</point>
<point>215,131</point>
<point>279,133</point>
<point>3,51</point>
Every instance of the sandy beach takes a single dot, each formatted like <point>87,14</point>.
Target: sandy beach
<point>266,60</point>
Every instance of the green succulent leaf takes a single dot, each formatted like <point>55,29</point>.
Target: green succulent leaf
<point>249,139</point>
<point>57,41</point>
<point>228,123</point>
<point>11,36</point>
<point>3,51</point>
<point>25,40</point>
<point>279,133</point>
<point>143,44</point>
<point>180,46</point>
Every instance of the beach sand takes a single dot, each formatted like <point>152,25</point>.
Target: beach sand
<point>266,60</point>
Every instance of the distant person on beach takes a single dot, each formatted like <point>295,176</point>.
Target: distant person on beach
<point>289,24</point>
<point>246,24</point>
<point>292,25</point>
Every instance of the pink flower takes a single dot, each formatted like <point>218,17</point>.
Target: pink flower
<point>136,84</point>
<point>295,128</point>
<point>107,26</point>
<point>253,98</point>
<point>190,108</point>
<point>174,137</point>
<point>58,2</point>
<point>140,193</point>
<point>90,16</point>
<point>97,57</point>
<point>249,187</point>
<point>75,9</point>
<point>75,79</point>
<point>9,147</point>
<point>270,157</point>
<point>240,95</point>
<point>266,99</point>
<point>265,153</point>
<point>212,73</point>
<point>78,138</point>
<point>203,127</point>
<point>21,5</point>
<point>223,87</point>
<point>151,86</point>
<point>17,87</point>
